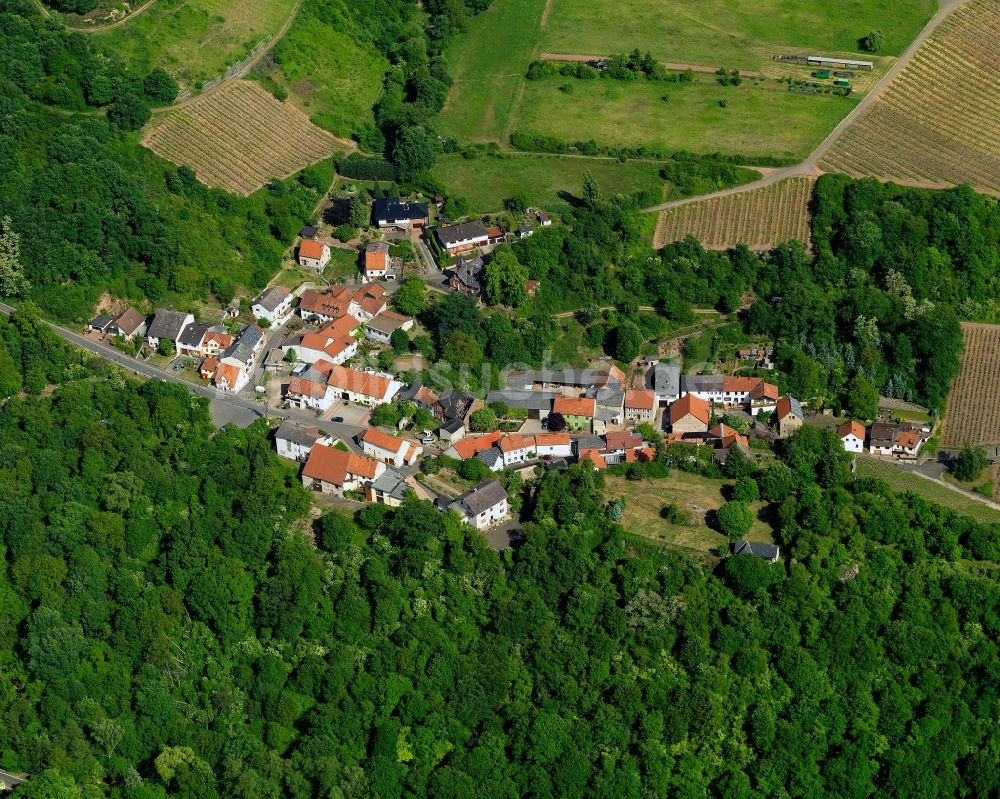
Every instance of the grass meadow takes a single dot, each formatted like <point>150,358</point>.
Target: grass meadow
<point>486,182</point>
<point>194,40</point>
<point>727,33</point>
<point>758,119</point>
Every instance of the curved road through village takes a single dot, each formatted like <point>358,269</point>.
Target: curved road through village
<point>810,166</point>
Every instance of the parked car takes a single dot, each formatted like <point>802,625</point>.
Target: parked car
<point>337,419</point>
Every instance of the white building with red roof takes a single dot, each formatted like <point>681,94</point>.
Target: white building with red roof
<point>388,448</point>
<point>329,470</point>
<point>314,254</point>
<point>640,405</point>
<point>852,436</point>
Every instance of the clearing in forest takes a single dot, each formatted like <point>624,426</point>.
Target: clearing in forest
<point>194,40</point>
<point>973,413</point>
<point>937,122</point>
<point>761,218</point>
<point>238,137</point>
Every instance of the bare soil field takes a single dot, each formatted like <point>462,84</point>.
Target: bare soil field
<point>238,137</point>
<point>973,413</point>
<point>937,122</point>
<point>761,218</point>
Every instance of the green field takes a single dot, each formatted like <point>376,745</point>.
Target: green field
<point>901,480</point>
<point>728,33</point>
<point>488,63</point>
<point>328,72</point>
<point>194,40</point>
<point>486,182</point>
<point>759,119</point>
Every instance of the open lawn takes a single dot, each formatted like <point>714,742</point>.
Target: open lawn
<point>486,182</point>
<point>693,494</point>
<point>901,480</point>
<point>759,118</point>
<point>727,33</point>
<point>194,40</point>
<point>328,72</point>
<point>488,64</point>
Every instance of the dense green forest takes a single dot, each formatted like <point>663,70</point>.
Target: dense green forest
<point>94,210</point>
<point>167,630</point>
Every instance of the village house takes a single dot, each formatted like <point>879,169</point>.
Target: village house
<point>578,412</point>
<point>295,442</point>
<point>366,388</point>
<point>167,325</point>
<point>190,341</point>
<point>382,327</point>
<point>525,231</point>
<point>378,264</point>
<point>515,448</point>
<point>325,306</point>
<point>208,367</point>
<point>391,213</point>
<point>690,414</point>
<point>553,445</point>
<point>389,449</point>
<point>469,277</point>
<point>101,324</point>
<point>236,363</point>
<point>451,405</point>
<point>388,489</point>
<point>852,436</point>
<point>470,446</point>
<point>722,437</point>
<point>544,220</point>
<point>765,397</point>
<point>897,440</point>
<point>730,392</point>
<point>274,304</point>
<point>463,237</point>
<point>329,470</point>
<point>483,506</point>
<point>665,380</point>
<point>309,391</point>
<point>314,254</point>
<point>129,324</point>
<point>788,416</point>
<point>334,342</point>
<point>308,232</point>
<point>640,405</point>
<point>531,286</point>
<point>452,431</point>
<point>768,552</point>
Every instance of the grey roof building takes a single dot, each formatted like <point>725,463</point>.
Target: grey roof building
<point>768,552</point>
<point>297,434</point>
<point>102,322</point>
<point>390,485</point>
<point>245,346</point>
<point>192,335</point>
<point>665,380</point>
<point>271,298</point>
<point>484,496</point>
<point>519,398</point>
<point>168,324</point>
<point>463,232</point>
<point>491,457</point>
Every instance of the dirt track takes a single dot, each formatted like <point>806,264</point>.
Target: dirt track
<point>576,57</point>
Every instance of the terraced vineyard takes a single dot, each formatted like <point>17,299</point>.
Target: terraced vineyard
<point>937,123</point>
<point>238,137</point>
<point>974,402</point>
<point>760,218</point>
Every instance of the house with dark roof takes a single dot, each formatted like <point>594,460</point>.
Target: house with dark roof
<point>452,431</point>
<point>274,304</point>
<point>381,327</point>
<point>463,237</point>
<point>167,325</point>
<point>389,488</point>
<point>307,232</point>
<point>665,380</point>
<point>768,552</point>
<point>190,342</point>
<point>469,277</point>
<point>389,212</point>
<point>483,506</point>
<point>101,324</point>
<point>295,441</point>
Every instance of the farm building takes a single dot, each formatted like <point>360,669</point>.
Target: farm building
<point>846,63</point>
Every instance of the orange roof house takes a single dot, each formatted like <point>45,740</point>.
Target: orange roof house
<point>640,399</point>
<point>339,468</point>
<point>470,447</point>
<point>690,405</point>
<point>310,248</point>
<point>301,387</point>
<point>852,428</point>
<point>726,437</point>
<point>574,406</point>
<point>382,440</point>
<point>593,457</point>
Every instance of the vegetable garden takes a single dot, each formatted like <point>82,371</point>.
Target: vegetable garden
<point>238,137</point>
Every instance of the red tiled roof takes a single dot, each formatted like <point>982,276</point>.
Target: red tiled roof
<point>616,440</point>
<point>689,404</point>
<point>764,391</point>
<point>574,406</point>
<point>552,439</point>
<point>907,439</point>
<point>325,303</point>
<point>783,408</point>
<point>727,436</point>
<point>382,440</point>
<point>129,321</point>
<point>209,365</point>
<point>468,447</point>
<point>377,260</point>
<point>311,249</point>
<point>223,340</point>
<point>515,441</point>
<point>853,428</point>
<point>593,457</point>
<point>740,384</point>
<point>364,383</point>
<point>640,398</point>
<point>227,373</point>
<point>332,465</point>
<point>302,387</point>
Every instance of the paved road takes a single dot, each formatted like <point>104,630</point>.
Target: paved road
<point>222,402</point>
<point>8,781</point>
<point>810,166</point>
